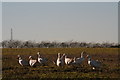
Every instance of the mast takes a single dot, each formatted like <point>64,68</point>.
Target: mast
<point>11,35</point>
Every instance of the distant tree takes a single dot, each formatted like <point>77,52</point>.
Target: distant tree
<point>75,44</point>
<point>28,44</point>
<point>54,44</point>
<point>5,44</point>
<point>64,45</point>
<point>83,44</point>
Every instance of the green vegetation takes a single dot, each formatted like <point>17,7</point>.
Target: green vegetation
<point>108,56</point>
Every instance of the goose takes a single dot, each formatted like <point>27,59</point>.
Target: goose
<point>79,60</point>
<point>40,59</point>
<point>31,61</point>
<point>68,60</point>
<point>94,63</point>
<point>60,61</point>
<point>22,62</point>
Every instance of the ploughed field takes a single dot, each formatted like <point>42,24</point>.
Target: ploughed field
<point>11,69</point>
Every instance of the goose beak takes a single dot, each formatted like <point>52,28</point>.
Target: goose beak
<point>87,56</point>
<point>64,54</point>
<point>30,57</point>
<point>38,53</point>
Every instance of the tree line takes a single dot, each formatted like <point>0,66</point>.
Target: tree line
<point>54,44</point>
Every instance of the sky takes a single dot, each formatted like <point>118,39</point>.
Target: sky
<point>0,21</point>
<point>59,0</point>
<point>61,21</point>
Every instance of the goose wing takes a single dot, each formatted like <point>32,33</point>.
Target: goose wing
<point>24,63</point>
<point>79,60</point>
<point>95,63</point>
<point>32,62</point>
<point>42,60</point>
<point>68,60</point>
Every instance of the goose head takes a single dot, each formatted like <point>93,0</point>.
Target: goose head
<point>30,57</point>
<point>62,56</point>
<point>65,56</point>
<point>18,56</point>
<point>83,54</point>
<point>58,55</point>
<point>89,57</point>
<point>38,53</point>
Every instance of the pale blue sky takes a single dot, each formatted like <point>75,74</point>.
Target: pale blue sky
<point>89,21</point>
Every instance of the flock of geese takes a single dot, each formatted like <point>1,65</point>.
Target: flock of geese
<point>61,59</point>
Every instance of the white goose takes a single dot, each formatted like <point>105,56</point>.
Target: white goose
<point>68,60</point>
<point>60,61</point>
<point>31,61</point>
<point>40,59</point>
<point>22,62</point>
<point>93,63</point>
<point>80,59</point>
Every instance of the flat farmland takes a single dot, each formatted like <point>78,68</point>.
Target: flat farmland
<point>12,70</point>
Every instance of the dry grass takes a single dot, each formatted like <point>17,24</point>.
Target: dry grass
<point>109,57</point>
